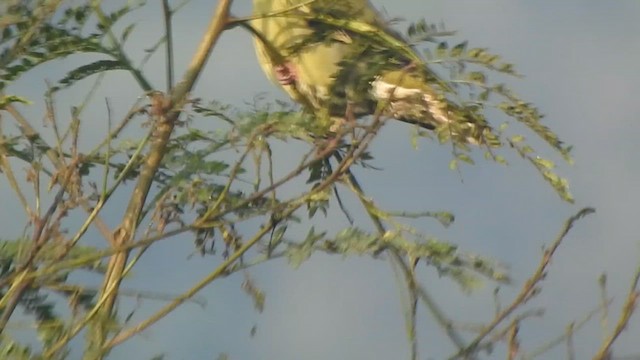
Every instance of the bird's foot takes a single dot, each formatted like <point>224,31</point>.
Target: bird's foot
<point>286,74</point>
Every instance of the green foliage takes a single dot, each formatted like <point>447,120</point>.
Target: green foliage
<point>12,350</point>
<point>14,251</point>
<point>30,40</point>
<point>218,186</point>
<point>8,99</point>
<point>41,299</point>
<point>90,69</point>
<point>462,63</point>
<point>467,87</point>
<point>447,259</point>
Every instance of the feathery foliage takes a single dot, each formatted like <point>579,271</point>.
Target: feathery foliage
<point>219,188</point>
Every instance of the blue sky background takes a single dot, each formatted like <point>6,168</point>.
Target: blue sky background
<point>580,60</point>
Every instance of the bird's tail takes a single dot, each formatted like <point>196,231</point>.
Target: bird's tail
<point>408,98</point>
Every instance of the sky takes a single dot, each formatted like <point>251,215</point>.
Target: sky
<point>579,59</point>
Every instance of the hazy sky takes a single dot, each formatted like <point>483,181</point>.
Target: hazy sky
<point>580,60</point>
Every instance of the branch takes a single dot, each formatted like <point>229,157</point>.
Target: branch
<point>167,117</point>
<point>169,37</point>
<point>12,298</point>
<point>627,310</point>
<point>529,288</point>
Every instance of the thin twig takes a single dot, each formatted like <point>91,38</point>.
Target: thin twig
<point>513,344</point>
<point>6,168</point>
<point>221,270</point>
<point>166,10</point>
<point>29,131</point>
<point>571,354</point>
<point>604,319</point>
<point>168,115</point>
<point>529,288</point>
<point>12,297</point>
<point>627,311</point>
<point>116,47</point>
<point>563,337</point>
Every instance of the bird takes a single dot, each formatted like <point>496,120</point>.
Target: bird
<point>334,55</point>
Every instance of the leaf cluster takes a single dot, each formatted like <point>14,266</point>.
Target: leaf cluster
<point>459,74</point>
<point>219,187</point>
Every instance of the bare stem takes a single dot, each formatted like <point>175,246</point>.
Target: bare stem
<point>167,116</point>
<point>627,311</point>
<point>529,288</point>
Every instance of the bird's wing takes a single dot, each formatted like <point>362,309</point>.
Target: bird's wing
<point>321,79</point>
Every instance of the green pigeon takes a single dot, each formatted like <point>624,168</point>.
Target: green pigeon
<point>328,55</point>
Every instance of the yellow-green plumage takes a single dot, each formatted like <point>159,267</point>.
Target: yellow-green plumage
<point>315,64</point>
<point>283,25</point>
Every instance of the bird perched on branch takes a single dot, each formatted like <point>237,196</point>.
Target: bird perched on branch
<point>334,55</point>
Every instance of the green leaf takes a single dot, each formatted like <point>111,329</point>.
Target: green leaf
<point>484,95</point>
<point>477,77</point>
<point>126,32</point>
<point>441,50</point>
<point>444,217</point>
<point>298,253</point>
<point>465,158</point>
<point>517,139</point>
<point>93,68</point>
<point>547,164</point>
<point>476,53</point>
<point>457,50</point>
<point>9,99</point>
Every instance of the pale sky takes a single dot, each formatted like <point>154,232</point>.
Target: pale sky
<point>580,61</point>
